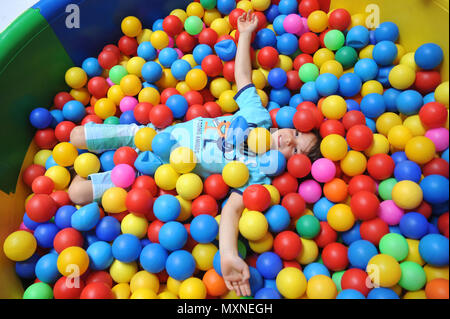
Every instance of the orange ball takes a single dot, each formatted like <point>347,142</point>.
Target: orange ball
<point>437,289</point>
<point>215,285</point>
<point>336,190</point>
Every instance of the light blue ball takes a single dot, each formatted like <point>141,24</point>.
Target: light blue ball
<point>153,258</point>
<point>179,69</point>
<point>315,269</point>
<point>309,92</point>
<point>278,218</point>
<point>327,84</point>
<point>350,294</point>
<point>172,235</point>
<point>204,228</point>
<point>180,265</point>
<point>272,163</point>
<point>167,57</point>
<point>100,255</point>
<point>433,248</point>
<point>146,51</point>
<point>386,31</point>
<point>91,67</point>
<point>151,71</point>
<point>357,37</point>
<point>166,208</point>
<point>428,56</point>
<point>126,248</point>
<point>409,102</point>
<point>284,117</point>
<point>382,293</point>
<point>384,53</point>
<point>349,84</point>
<point>360,252</point>
<point>366,69</point>
<point>46,268</point>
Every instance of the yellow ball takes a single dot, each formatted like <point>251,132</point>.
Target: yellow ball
<point>144,280</point>
<point>321,287</point>
<point>219,85</point>
<point>105,107</point>
<point>227,102</point>
<point>371,86</point>
<point>196,79</point>
<point>192,288</point>
<point>413,253</point>
<point>433,272</point>
<point>64,154</point>
<point>259,79</point>
<point>189,186</point>
<point>398,136</point>
<point>131,26</point>
<point>259,140</point>
<point>366,53</point>
<point>402,77</point>
<point>167,295</point>
<point>159,39</point>
<point>166,177</point>
<point>291,283</point>
<point>180,13</point>
<point>130,85</point>
<point>186,209</point>
<point>420,149</point>
<point>358,19</point>
<point>274,194</point>
<point>383,270</point>
<point>41,157</point>
<point>143,138</point>
<point>121,291</point>
<point>173,285</point>
<point>144,36</point>
<point>19,245</point>
<point>321,56</point>
<point>409,60</point>
<point>262,245</point>
<point>235,174</point>
<point>211,15</point>
<point>183,160</point>
<point>380,145</point>
<point>195,9</point>
<point>221,26</point>
<point>285,63</point>
<point>340,217</point>
<point>150,95</point>
<point>441,93</point>
<point>122,272</point>
<point>414,124</point>
<point>401,51</point>
<point>317,21</point>
<point>419,294</point>
<point>263,96</point>
<point>333,67</point>
<point>144,293</point>
<point>113,200</point>
<point>334,107</point>
<point>354,163</point>
<point>135,64</point>
<point>167,80</point>
<point>253,225</point>
<point>204,255</point>
<point>86,164</point>
<point>76,77</point>
<point>386,121</point>
<point>59,175</point>
<point>407,194</point>
<point>334,147</point>
<point>260,5</point>
<point>73,261</point>
<point>182,87</point>
<point>115,94</point>
<point>135,225</point>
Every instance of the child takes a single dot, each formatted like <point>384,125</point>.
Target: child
<point>209,140</point>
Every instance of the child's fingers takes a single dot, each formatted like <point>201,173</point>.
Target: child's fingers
<point>228,284</point>
<point>236,288</point>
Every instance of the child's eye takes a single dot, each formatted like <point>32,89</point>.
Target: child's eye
<point>295,151</point>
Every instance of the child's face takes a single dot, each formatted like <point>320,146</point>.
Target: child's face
<point>290,142</point>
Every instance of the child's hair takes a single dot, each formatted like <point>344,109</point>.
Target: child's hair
<point>314,153</point>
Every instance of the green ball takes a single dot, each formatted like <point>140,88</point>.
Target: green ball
<point>193,25</point>
<point>208,4</point>
<point>347,56</point>
<point>385,188</point>
<point>308,226</point>
<point>39,290</point>
<point>337,277</point>
<point>242,249</point>
<point>308,72</point>
<point>394,245</point>
<point>413,276</point>
<point>116,73</point>
<point>112,120</point>
<point>334,40</point>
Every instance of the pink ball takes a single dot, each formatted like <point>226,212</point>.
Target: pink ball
<point>23,227</point>
<point>390,213</point>
<point>180,53</point>
<point>128,103</point>
<point>171,42</point>
<point>310,190</point>
<point>305,26</point>
<point>323,170</point>
<point>439,136</point>
<point>123,175</point>
<point>293,23</point>
<point>110,83</point>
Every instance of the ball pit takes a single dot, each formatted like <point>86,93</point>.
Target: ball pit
<point>369,188</point>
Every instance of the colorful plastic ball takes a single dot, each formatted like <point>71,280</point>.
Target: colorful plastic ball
<point>126,248</point>
<point>166,208</point>
<point>420,149</point>
<point>269,265</point>
<point>100,255</point>
<point>321,287</point>
<point>131,26</point>
<point>359,137</point>
<point>40,118</point>
<point>256,197</point>
<point>350,294</point>
<point>360,252</point>
<point>180,265</point>
<point>333,147</point>
<point>346,56</point>
<point>428,56</point>
<point>355,279</point>
<point>278,218</point>
<point>74,111</point>
<point>433,115</point>
<point>384,270</point>
<point>299,165</point>
<point>317,21</point>
<point>97,290</point>
<point>327,84</point>
<point>153,258</point>
<point>267,293</point>
<point>437,289</point>
<point>235,174</point>
<point>72,259</point>
<point>372,105</point>
<point>394,245</point>
<point>384,53</point>
<point>366,69</point>
<point>323,170</point>
<point>386,31</point>
<point>38,290</point>
<point>189,186</point>
<point>433,248</point>
<point>308,72</point>
<point>401,77</point>
<point>172,235</point>
<point>291,283</point>
<point>334,40</point>
<point>382,293</point>
<point>413,276</point>
<point>123,175</point>
<point>434,188</point>
<point>340,217</point>
<point>75,77</point>
<point>440,138</point>
<point>253,225</point>
<point>107,229</point>
<point>287,245</point>
<point>19,245</point>
<point>204,228</point>
<point>308,226</point>
<point>310,190</point>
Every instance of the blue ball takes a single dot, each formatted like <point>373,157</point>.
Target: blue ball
<point>360,252</point>
<point>435,189</point>
<point>267,293</point>
<point>382,293</point>
<point>127,117</point>
<point>280,96</point>
<point>153,258</point>
<point>327,84</point>
<point>216,263</point>
<point>288,6</point>
<point>256,281</point>
<point>178,104</point>
<point>445,155</point>
<point>40,118</point>
<point>439,209</point>
<point>126,248</point>
<point>172,235</point>
<point>269,265</point>
<point>46,268</point>
<point>413,225</point>
<point>92,67</point>
<point>270,283</point>
<point>63,216</point>
<point>100,255</point>
<point>272,12</point>
<point>278,218</point>
<point>74,111</point>
<point>409,102</point>
<point>349,84</point>
<point>179,69</point>
<point>180,265</point>
<point>395,229</point>
<point>357,37</point>
<point>225,6</point>
<point>226,50</point>
<point>314,269</point>
<point>90,237</point>
<point>386,31</point>
<point>352,105</point>
<point>107,229</point>
<point>57,117</point>
<point>428,56</point>
<point>372,37</point>
<point>45,233</point>
<point>321,208</point>
<point>433,229</point>
<point>25,269</point>
<point>309,92</point>
<point>151,71</point>
<point>200,52</point>
<point>383,75</point>
<point>371,124</point>
<point>429,98</point>
<point>384,53</point>
<point>86,218</point>
<point>294,101</point>
<point>166,208</point>
<point>433,248</point>
<point>399,157</point>
<point>147,163</point>
<point>277,78</point>
<point>265,38</point>
<point>146,51</point>
<point>390,99</point>
<point>145,242</point>
<point>272,105</point>
<point>278,24</point>
<point>287,44</point>
<point>162,145</point>
<point>350,294</point>
<point>204,228</point>
<point>372,105</point>
<point>284,117</point>
<point>407,170</point>
<point>167,57</point>
<point>352,234</point>
<point>272,163</point>
<point>50,162</point>
<point>107,161</point>
<point>31,224</point>
<point>158,25</point>
<point>366,69</point>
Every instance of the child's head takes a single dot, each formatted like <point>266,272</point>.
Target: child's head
<point>290,142</point>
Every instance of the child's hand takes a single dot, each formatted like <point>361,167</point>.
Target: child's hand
<point>247,22</point>
<point>236,274</point>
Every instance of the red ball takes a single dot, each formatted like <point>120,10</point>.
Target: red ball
<point>331,127</point>
<point>41,208</point>
<point>334,256</point>
<point>208,36</point>
<point>359,137</point>
<point>443,224</point>
<point>153,230</point>
<point>204,204</point>
<point>268,57</point>
<point>295,205</point>
<point>309,43</point>
<point>287,245</point>
<point>128,45</point>
<point>433,115</point>
<point>291,263</point>
<point>356,279</point>
<point>125,155</point>
<point>43,185</point>
<point>339,19</point>
<point>322,37</point>
<point>273,116</point>
<point>293,80</point>
<point>299,165</point>
<point>427,81</point>
<point>190,243</point>
<point>213,109</point>
<point>215,186</point>
<point>373,230</point>
<point>63,129</point>
<point>251,260</point>
<point>98,86</point>
<point>327,235</point>
<point>185,42</point>
<point>228,71</point>
<point>424,208</point>
<point>353,118</point>
<point>108,59</point>
<point>256,197</point>
<point>361,183</point>
<point>234,15</point>
<point>61,98</point>
<point>97,290</point>
<point>285,183</point>
<point>146,182</point>
<point>193,97</point>
<point>172,25</point>
<point>364,205</point>
<point>141,112</point>
<point>225,37</point>
<point>207,95</point>
<point>195,111</point>
<point>99,276</point>
<point>380,166</point>
<point>262,20</point>
<point>67,237</point>
<point>302,59</point>
<point>318,116</point>
<point>45,139</point>
<point>112,48</point>
<point>304,120</point>
<point>161,116</point>
<point>437,166</point>
<point>212,65</point>
<point>68,288</point>
<point>91,118</point>
<point>139,201</point>
<point>61,198</point>
<point>307,6</point>
<point>168,92</point>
